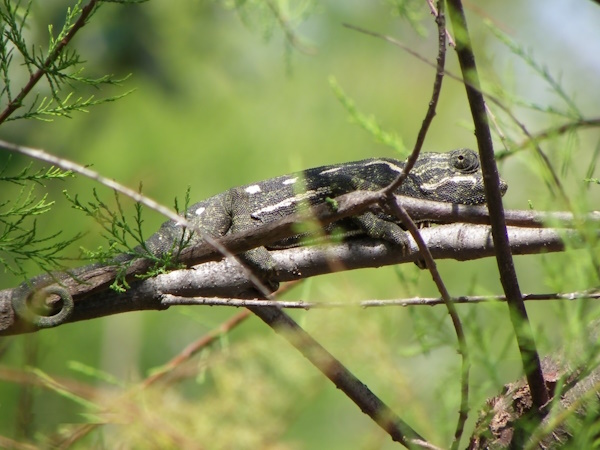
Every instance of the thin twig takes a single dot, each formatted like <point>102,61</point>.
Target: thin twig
<point>463,349</point>
<point>508,276</point>
<point>401,213</point>
<point>434,11</point>
<point>463,413</point>
<point>550,133</point>
<point>35,77</point>
<point>174,300</point>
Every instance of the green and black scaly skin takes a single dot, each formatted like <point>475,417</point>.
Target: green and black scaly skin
<point>453,177</point>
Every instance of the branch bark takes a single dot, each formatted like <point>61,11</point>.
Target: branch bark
<point>491,180</point>
<point>226,278</point>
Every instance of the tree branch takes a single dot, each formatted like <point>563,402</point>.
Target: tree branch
<point>174,300</point>
<point>226,278</point>
<point>343,379</point>
<point>17,102</point>
<point>508,276</point>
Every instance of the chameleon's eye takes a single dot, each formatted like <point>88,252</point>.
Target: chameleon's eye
<point>465,160</point>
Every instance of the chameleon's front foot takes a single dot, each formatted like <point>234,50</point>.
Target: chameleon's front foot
<point>261,264</point>
<point>28,299</point>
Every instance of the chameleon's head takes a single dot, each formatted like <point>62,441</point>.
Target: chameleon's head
<point>453,177</point>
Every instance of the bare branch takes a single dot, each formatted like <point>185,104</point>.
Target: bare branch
<point>508,275</point>
<point>226,279</point>
<point>175,300</point>
<point>35,77</point>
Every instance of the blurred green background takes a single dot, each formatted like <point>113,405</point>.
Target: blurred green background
<point>221,100</point>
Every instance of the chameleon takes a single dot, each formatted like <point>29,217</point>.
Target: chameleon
<point>453,177</point>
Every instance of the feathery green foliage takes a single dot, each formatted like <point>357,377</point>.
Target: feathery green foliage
<point>60,66</point>
<point>124,238</point>
<point>40,84</point>
<point>20,240</point>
